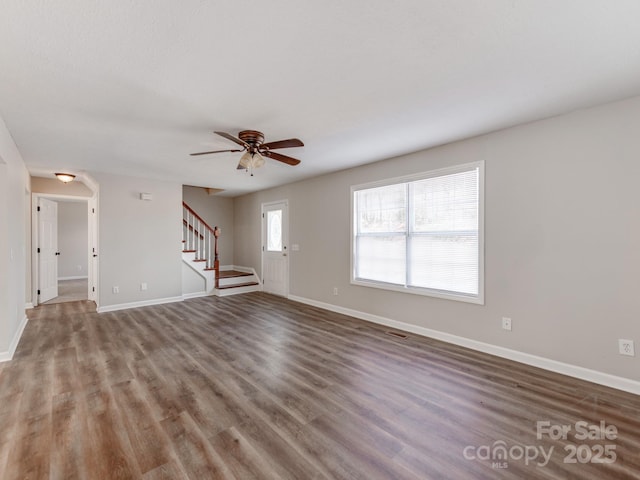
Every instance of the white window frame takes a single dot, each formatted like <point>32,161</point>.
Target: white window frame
<point>462,297</point>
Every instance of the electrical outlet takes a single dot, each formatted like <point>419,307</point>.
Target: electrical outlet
<point>335,290</point>
<point>116,289</point>
<point>143,286</point>
<point>506,323</point>
<point>625,347</point>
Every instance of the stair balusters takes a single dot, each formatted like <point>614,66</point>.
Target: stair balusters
<point>198,237</point>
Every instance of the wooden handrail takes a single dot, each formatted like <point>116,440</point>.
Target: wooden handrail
<point>197,216</point>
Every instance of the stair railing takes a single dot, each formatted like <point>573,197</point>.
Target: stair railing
<point>200,238</point>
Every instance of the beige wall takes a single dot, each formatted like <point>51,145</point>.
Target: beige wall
<point>216,211</point>
<point>192,281</point>
<point>56,187</point>
<point>14,243</point>
<point>139,241</point>
<point>562,232</point>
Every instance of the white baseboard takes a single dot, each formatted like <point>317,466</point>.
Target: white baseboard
<point>8,355</point>
<point>28,306</point>
<point>239,269</point>
<point>594,376</point>
<point>143,303</point>
<point>81,277</point>
<point>187,296</point>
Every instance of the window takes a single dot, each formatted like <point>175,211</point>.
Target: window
<point>274,230</point>
<point>422,234</point>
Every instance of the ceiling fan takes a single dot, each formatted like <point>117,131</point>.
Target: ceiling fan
<point>252,143</point>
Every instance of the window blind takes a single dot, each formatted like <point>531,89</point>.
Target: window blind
<point>420,234</point>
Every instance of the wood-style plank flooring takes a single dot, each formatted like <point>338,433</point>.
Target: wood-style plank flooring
<point>259,387</point>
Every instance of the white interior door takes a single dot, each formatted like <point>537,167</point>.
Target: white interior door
<point>275,256</point>
<point>48,249</point>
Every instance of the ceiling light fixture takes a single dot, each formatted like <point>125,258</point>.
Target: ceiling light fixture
<point>65,177</point>
<point>251,160</point>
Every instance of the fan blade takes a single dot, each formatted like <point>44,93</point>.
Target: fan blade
<point>214,151</point>
<point>292,142</point>
<point>281,158</point>
<point>233,139</point>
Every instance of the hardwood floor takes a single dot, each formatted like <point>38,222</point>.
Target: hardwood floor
<point>258,387</point>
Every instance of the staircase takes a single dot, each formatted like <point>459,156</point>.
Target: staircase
<point>200,252</point>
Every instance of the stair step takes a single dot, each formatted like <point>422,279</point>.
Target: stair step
<point>188,251</point>
<point>233,274</point>
<point>200,260</point>
<point>247,284</point>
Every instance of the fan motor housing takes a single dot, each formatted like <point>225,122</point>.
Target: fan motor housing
<point>252,137</point>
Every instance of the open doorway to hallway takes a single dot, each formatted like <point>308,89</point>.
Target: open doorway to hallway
<point>63,253</point>
<point>72,254</point>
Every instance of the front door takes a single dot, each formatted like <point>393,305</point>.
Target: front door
<point>275,258</point>
<point>48,249</point>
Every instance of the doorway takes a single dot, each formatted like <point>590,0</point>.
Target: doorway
<point>275,256</point>
<point>63,249</point>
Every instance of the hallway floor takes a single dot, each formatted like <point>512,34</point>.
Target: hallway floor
<point>70,291</point>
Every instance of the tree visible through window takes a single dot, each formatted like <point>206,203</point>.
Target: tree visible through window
<point>421,234</point>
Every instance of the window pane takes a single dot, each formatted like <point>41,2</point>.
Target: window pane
<point>274,230</point>
<point>444,262</point>
<point>382,209</point>
<point>381,258</point>
<point>445,203</point>
<point>423,233</point>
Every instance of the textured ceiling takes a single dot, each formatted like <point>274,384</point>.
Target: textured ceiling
<point>132,87</point>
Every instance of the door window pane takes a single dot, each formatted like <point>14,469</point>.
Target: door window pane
<point>274,230</point>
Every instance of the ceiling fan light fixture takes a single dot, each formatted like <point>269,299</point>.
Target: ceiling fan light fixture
<point>251,160</point>
<point>254,149</point>
<point>245,160</point>
<point>65,177</point>
<point>258,160</point>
